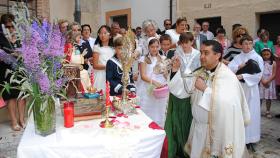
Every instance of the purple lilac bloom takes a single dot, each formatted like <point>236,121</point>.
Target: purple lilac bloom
<point>59,83</point>
<point>56,47</point>
<point>44,83</point>
<point>30,53</point>
<point>42,30</point>
<point>56,67</point>
<point>8,59</point>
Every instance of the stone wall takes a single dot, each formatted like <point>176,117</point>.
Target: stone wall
<point>245,12</point>
<point>43,9</point>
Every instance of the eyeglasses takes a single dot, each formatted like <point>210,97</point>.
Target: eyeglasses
<point>241,35</point>
<point>9,26</point>
<point>168,24</point>
<point>104,34</point>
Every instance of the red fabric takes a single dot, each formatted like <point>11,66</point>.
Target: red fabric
<point>164,151</point>
<point>82,88</point>
<point>2,102</point>
<point>100,92</point>
<point>122,115</point>
<point>154,125</point>
<point>68,47</point>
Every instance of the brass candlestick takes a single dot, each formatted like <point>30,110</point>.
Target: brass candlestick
<point>107,123</point>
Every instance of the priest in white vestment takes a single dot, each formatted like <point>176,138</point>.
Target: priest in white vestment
<point>219,108</point>
<point>250,87</point>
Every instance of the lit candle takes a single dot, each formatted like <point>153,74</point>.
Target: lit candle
<point>108,103</point>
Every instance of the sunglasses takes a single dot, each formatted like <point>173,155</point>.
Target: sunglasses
<point>241,35</point>
<point>9,27</point>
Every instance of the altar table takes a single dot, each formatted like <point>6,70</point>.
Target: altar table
<point>131,138</point>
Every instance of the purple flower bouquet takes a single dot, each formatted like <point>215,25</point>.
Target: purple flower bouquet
<point>38,72</point>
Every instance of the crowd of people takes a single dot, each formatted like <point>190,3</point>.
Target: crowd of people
<point>216,84</point>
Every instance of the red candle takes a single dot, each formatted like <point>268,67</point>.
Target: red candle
<point>92,78</point>
<point>108,103</point>
<point>68,114</point>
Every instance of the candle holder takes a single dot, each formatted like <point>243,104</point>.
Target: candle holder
<point>106,122</point>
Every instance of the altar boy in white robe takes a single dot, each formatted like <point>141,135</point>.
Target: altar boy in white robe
<point>250,87</point>
<point>219,108</point>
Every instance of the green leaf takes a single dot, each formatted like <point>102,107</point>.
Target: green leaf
<point>30,106</point>
<point>7,87</point>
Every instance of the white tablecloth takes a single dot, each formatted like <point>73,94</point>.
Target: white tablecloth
<point>132,138</point>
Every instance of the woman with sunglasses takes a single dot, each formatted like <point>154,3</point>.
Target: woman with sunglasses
<point>235,48</point>
<point>9,44</point>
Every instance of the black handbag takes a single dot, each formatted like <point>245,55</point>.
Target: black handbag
<point>251,67</point>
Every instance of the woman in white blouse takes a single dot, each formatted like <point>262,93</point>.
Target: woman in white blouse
<point>102,52</point>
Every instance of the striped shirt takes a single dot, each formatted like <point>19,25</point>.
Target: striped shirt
<point>231,52</point>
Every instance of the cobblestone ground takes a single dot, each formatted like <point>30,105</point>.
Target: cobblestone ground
<point>268,147</point>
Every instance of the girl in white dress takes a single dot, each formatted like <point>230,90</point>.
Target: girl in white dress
<point>267,85</point>
<point>152,106</point>
<point>102,52</point>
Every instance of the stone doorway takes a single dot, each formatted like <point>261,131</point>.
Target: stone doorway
<point>270,22</point>
<point>214,23</point>
<point>123,17</point>
<point>122,20</point>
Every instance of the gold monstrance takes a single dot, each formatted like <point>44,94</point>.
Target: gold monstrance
<point>127,58</point>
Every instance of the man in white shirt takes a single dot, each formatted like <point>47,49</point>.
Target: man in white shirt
<point>206,32</point>
<point>199,38</point>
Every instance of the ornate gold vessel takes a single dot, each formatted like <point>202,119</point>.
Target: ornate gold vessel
<point>127,58</point>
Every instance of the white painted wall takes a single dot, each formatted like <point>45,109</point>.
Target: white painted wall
<point>141,10</point>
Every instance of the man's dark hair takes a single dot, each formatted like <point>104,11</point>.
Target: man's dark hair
<point>86,25</point>
<point>138,28</point>
<point>216,47</point>
<point>165,37</point>
<point>246,38</point>
<point>186,37</point>
<point>221,31</point>
<point>166,21</point>
<point>5,18</point>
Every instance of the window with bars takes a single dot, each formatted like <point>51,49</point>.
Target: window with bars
<point>5,6</point>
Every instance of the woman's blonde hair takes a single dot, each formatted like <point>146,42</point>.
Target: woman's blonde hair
<point>237,32</point>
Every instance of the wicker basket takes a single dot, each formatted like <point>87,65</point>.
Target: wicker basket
<point>161,92</point>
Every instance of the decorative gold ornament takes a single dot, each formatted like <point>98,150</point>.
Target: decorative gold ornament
<point>229,149</point>
<point>127,59</point>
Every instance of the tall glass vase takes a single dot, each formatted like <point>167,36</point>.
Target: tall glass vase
<point>44,116</point>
